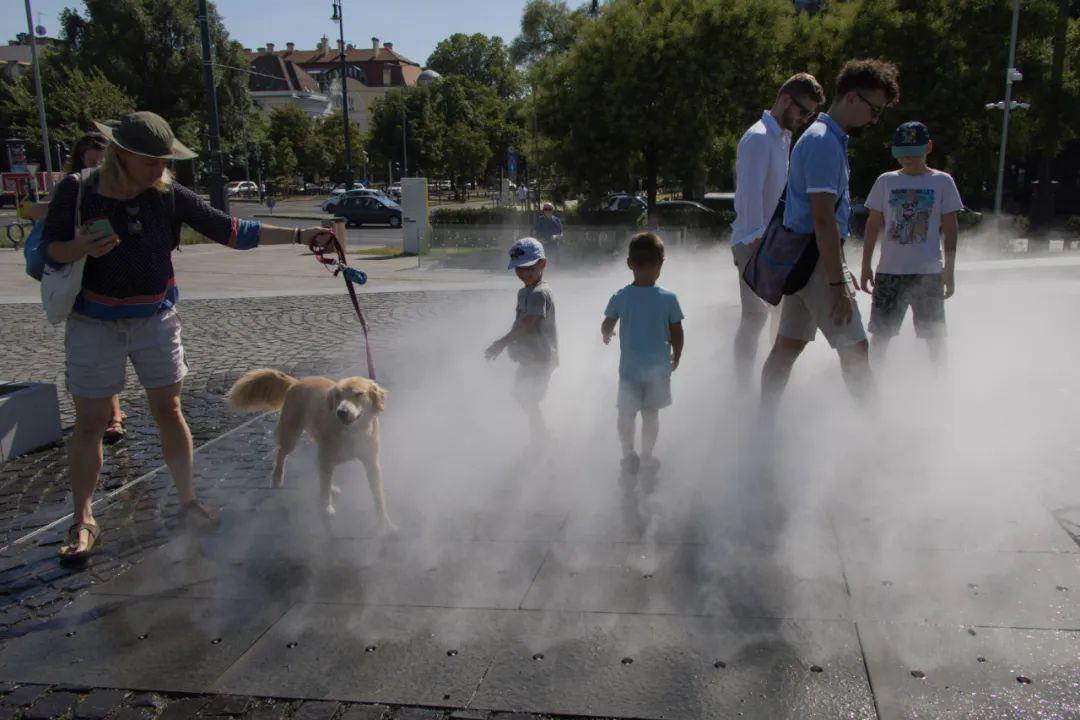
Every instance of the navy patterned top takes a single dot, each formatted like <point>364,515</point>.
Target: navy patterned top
<point>136,278</point>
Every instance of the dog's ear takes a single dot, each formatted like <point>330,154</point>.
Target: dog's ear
<point>377,397</point>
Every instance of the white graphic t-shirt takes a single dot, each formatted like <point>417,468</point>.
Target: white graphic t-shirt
<point>912,206</point>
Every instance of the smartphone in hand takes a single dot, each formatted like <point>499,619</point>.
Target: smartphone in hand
<point>102,225</point>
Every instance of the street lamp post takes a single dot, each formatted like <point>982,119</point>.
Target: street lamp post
<point>46,149</point>
<point>339,18</point>
<point>1011,75</point>
<point>215,178</point>
<point>404,145</point>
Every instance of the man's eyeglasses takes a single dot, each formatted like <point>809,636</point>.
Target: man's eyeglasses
<point>804,112</point>
<point>876,109</point>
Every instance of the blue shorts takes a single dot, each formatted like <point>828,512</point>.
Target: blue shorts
<point>651,393</point>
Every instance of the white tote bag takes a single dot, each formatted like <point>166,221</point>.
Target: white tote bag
<point>61,285</point>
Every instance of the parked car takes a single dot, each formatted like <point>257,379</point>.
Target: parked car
<point>331,203</point>
<point>687,213</point>
<point>242,188</point>
<point>369,210</point>
<point>719,201</point>
<point>394,191</point>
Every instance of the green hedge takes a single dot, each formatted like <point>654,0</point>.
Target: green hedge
<point>481,216</point>
<point>1072,225</point>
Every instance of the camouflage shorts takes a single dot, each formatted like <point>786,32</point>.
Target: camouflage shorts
<point>894,293</point>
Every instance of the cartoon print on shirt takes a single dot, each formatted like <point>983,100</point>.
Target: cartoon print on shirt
<point>911,211</point>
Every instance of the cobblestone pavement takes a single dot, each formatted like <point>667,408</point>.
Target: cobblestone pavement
<point>223,339</point>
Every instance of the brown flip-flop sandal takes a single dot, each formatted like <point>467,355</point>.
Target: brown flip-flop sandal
<point>67,552</point>
<point>115,431</point>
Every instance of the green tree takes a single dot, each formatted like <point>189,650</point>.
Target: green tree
<point>291,126</point>
<point>477,57</point>
<point>283,162</point>
<point>548,27</point>
<point>639,94</point>
<point>151,49</point>
<point>73,100</point>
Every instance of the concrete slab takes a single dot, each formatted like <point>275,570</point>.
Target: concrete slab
<point>1032,590</point>
<point>588,664</point>
<point>387,655</point>
<point>164,644</point>
<point>953,672</point>
<point>373,572</point>
<point>674,667</point>
<point>687,579</point>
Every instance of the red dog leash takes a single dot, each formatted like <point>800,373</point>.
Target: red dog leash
<point>339,265</point>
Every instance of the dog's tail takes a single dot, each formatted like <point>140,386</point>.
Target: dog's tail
<point>260,390</point>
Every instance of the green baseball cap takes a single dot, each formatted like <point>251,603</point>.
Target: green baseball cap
<point>145,133</point>
<point>910,140</point>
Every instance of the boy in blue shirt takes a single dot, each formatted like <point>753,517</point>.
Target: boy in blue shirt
<point>651,344</point>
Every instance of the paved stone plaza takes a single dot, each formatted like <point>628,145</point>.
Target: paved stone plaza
<point>648,607</point>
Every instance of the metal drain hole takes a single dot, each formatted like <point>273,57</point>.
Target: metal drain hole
<point>816,668</point>
<point>371,648</point>
<point>980,659</point>
<point>628,661</point>
<point>918,674</point>
<point>1023,680</point>
<point>719,664</point>
<point>451,653</point>
<point>887,583</point>
<point>971,631</point>
<point>1062,588</point>
<point>292,644</point>
<point>70,633</point>
<point>538,656</point>
<point>215,641</point>
<point>144,636</point>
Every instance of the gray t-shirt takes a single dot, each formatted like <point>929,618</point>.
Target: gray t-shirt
<point>541,346</point>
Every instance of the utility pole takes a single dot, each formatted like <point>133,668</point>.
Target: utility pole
<point>46,149</point>
<point>339,18</point>
<point>1011,75</point>
<point>404,145</point>
<point>216,181</point>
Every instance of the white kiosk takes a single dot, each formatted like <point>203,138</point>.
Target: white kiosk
<point>414,215</point>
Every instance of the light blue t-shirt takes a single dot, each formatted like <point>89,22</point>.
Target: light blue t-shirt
<point>645,315</point>
<point>819,163</point>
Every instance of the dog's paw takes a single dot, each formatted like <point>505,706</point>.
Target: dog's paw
<point>329,511</point>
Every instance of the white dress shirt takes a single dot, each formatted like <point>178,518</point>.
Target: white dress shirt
<point>761,165</point>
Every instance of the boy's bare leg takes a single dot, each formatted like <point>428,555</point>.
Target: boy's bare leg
<point>650,430</point>
<point>626,426</point>
<point>936,344</point>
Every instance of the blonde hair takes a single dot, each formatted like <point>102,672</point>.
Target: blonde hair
<point>112,171</point>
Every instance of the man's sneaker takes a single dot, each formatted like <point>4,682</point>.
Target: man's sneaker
<point>631,463</point>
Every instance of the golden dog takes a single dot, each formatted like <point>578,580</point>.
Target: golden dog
<point>342,418</point>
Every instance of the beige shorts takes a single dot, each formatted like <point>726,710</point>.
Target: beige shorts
<point>751,303</point>
<point>804,312</point>
<point>97,352</point>
<point>531,382</point>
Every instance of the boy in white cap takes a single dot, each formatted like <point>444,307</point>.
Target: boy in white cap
<point>532,341</point>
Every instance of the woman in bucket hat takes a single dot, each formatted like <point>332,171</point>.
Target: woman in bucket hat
<point>126,308</point>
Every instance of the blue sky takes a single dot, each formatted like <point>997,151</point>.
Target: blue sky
<point>414,26</point>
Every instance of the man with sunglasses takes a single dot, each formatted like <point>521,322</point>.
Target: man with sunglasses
<point>761,165</point>
<point>818,202</point>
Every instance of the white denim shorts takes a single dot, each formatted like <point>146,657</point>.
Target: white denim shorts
<point>97,352</point>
